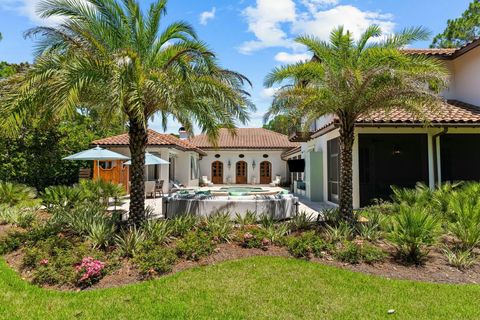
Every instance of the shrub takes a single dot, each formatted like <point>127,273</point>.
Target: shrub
<point>80,219</point>
<point>306,245</point>
<point>412,230</point>
<point>253,237</point>
<point>301,221</point>
<point>349,252</point>
<point>53,261</point>
<point>129,241</point>
<point>89,271</point>
<point>63,197</point>
<point>183,224</point>
<point>343,231</point>
<point>100,191</point>
<point>372,228</point>
<point>18,216</point>
<point>353,253</point>
<point>153,260</point>
<point>372,254</point>
<point>14,194</point>
<point>194,245</point>
<point>250,218</point>
<point>219,226</point>
<point>461,259</point>
<point>420,196</point>
<point>464,209</point>
<point>157,231</point>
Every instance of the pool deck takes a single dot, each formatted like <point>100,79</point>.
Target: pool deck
<point>305,205</point>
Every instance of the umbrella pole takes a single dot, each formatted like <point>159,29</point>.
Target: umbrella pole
<point>98,170</point>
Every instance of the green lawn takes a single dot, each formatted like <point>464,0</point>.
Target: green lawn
<point>255,288</point>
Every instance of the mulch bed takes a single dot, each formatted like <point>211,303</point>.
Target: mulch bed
<point>435,269</point>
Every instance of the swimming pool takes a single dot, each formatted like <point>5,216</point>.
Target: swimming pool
<point>242,189</point>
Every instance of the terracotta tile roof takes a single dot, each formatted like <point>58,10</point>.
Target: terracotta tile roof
<point>452,111</point>
<point>431,52</point>
<point>447,53</point>
<point>246,138</point>
<point>154,139</point>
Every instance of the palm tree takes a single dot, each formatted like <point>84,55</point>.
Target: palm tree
<point>112,57</point>
<point>349,78</point>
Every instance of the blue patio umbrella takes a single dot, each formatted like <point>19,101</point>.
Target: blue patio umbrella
<point>150,160</point>
<point>96,154</point>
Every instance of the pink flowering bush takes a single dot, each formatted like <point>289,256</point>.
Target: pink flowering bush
<point>89,271</point>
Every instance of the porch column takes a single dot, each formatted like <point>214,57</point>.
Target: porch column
<point>431,159</point>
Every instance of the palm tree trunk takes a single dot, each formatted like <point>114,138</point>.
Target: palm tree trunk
<point>347,138</point>
<point>138,144</point>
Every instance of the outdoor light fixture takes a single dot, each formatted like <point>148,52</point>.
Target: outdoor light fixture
<point>253,164</point>
<point>396,151</point>
<point>229,164</point>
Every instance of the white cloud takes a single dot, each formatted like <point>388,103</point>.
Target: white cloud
<point>285,57</point>
<point>28,8</point>
<point>264,21</point>
<point>275,23</point>
<point>207,15</point>
<point>353,19</point>
<point>268,93</point>
<point>315,5</point>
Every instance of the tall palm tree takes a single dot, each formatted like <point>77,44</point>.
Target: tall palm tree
<point>111,56</point>
<point>349,78</point>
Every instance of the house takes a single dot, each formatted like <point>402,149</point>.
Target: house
<point>396,148</point>
<point>182,155</point>
<point>250,156</point>
<point>245,156</point>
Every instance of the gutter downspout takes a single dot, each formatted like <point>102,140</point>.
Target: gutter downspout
<point>436,155</point>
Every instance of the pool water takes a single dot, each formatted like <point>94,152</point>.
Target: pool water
<point>242,189</point>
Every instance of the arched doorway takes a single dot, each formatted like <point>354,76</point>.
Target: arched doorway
<point>217,172</point>
<point>241,172</point>
<point>265,172</point>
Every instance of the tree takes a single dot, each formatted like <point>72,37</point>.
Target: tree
<point>282,124</point>
<point>110,56</point>
<point>460,31</point>
<point>350,78</point>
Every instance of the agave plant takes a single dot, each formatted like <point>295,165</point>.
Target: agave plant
<point>183,224</point>
<point>100,233</point>
<point>157,231</point>
<point>341,232</point>
<point>18,216</point>
<point>301,221</point>
<point>129,241</point>
<point>275,233</point>
<point>15,194</point>
<point>461,259</point>
<point>267,220</point>
<point>219,226</point>
<point>249,218</point>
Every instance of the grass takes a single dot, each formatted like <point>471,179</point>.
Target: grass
<point>254,288</point>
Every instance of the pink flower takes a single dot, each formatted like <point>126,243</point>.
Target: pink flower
<point>44,262</point>
<point>90,270</point>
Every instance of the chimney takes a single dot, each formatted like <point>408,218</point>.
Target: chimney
<point>183,133</point>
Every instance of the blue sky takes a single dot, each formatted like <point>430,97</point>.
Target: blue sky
<point>253,36</point>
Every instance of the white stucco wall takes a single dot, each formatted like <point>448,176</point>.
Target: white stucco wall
<point>466,77</point>
<point>279,166</point>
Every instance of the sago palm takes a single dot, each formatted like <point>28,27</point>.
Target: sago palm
<point>112,57</point>
<point>349,78</point>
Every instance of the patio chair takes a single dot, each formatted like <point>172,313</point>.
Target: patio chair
<point>206,182</point>
<point>150,188</point>
<point>159,188</point>
<point>276,182</point>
